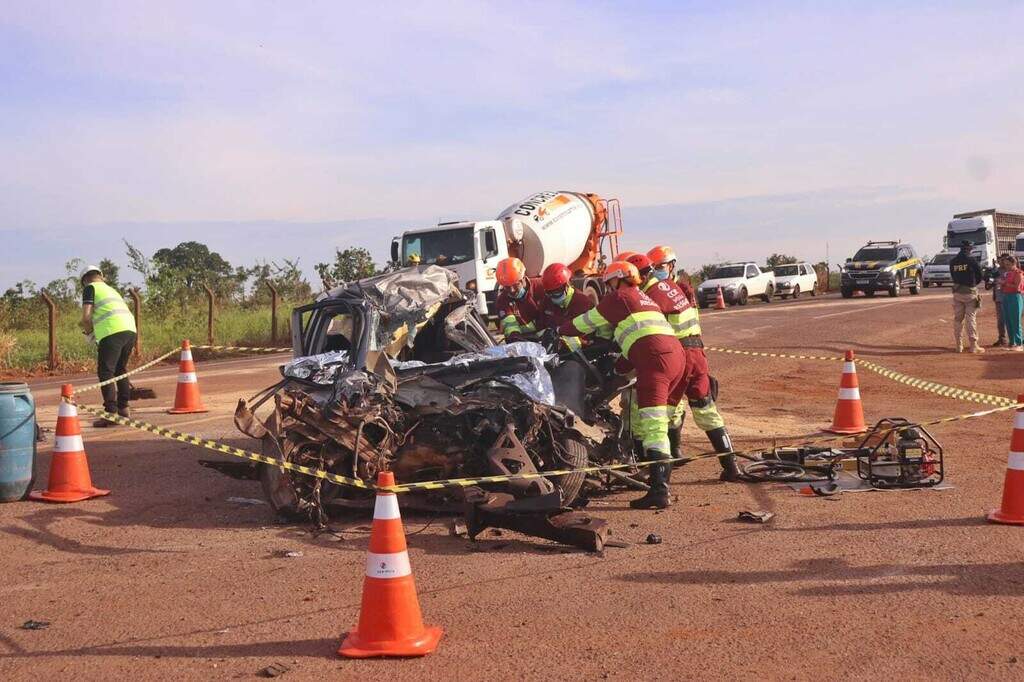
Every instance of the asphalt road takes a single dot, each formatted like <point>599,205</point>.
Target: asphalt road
<point>170,578</point>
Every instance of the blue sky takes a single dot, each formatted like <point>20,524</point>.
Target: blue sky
<point>269,130</point>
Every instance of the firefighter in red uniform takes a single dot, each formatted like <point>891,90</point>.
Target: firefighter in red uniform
<point>648,345</point>
<point>519,300</point>
<point>663,260</point>
<point>562,302</point>
<point>683,317</point>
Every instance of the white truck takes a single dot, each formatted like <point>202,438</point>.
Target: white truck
<point>578,229</point>
<point>980,231</point>
<point>739,281</point>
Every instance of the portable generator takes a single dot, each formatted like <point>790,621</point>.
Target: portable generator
<point>898,454</point>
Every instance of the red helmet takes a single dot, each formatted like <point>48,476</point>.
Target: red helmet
<point>625,255</point>
<point>639,260</point>
<point>660,255</point>
<point>510,272</point>
<point>621,269</point>
<point>555,277</point>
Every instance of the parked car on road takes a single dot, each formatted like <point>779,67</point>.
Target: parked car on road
<point>794,279</point>
<point>936,271</point>
<point>882,266</point>
<point>739,281</point>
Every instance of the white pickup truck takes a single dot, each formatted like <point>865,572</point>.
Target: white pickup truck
<point>739,281</point>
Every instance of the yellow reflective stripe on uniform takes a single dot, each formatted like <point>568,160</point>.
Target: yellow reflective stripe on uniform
<point>685,323</point>
<point>707,418</point>
<point>572,342</point>
<point>510,325</point>
<point>652,427</point>
<point>590,321</point>
<point>638,325</point>
<point>529,327</point>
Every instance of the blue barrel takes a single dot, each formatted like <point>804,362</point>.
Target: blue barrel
<point>17,440</point>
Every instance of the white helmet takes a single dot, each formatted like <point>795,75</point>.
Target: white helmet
<point>88,269</point>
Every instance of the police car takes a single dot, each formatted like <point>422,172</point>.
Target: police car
<point>882,266</point>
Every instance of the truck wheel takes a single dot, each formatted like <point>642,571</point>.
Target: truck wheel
<point>894,290</point>
<point>915,288</point>
<point>796,292</point>
<point>847,293</point>
<point>741,296</point>
<point>767,295</point>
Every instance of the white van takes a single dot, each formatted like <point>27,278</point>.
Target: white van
<point>794,279</point>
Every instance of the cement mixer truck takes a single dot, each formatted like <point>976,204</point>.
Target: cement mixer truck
<point>577,229</point>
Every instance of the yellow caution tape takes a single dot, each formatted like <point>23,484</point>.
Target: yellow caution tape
<point>470,481</point>
<point>92,387</point>
<point>763,354</point>
<point>243,349</point>
<point>930,386</point>
<point>933,387</point>
<point>171,434</point>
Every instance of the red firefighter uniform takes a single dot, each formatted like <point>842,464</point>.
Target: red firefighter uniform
<point>683,317</point>
<point>553,315</point>
<point>518,316</point>
<point>648,345</point>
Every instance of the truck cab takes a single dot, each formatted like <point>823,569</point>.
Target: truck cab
<point>470,249</point>
<point>980,231</point>
<point>882,266</point>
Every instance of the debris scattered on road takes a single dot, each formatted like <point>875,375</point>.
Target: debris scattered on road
<point>457,528</point>
<point>289,554</point>
<point>245,500</point>
<point>653,539</point>
<point>35,625</point>
<point>755,516</point>
<point>274,670</point>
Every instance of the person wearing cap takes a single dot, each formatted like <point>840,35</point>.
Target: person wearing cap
<point>966,275</point>
<point>518,302</point>
<point>108,320</point>
<point>649,348</point>
<point>562,302</point>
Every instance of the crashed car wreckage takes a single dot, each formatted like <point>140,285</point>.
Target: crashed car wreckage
<point>399,372</point>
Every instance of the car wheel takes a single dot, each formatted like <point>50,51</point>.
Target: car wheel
<point>847,293</point>
<point>796,292</point>
<point>741,296</point>
<point>915,288</point>
<point>767,295</point>
<point>894,290</point>
<point>870,293</point>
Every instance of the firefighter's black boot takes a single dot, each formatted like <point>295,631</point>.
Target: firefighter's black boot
<point>657,496</point>
<point>721,442</point>
<point>675,441</point>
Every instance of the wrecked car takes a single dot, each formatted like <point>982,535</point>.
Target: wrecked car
<point>400,372</point>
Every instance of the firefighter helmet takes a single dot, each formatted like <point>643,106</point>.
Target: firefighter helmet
<point>640,261</point>
<point>555,277</point>
<point>660,255</point>
<point>621,269</point>
<point>510,272</point>
<point>625,255</point>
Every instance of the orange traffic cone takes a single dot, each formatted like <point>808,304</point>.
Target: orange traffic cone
<point>849,414</point>
<point>186,397</point>
<point>69,469</point>
<point>720,301</point>
<point>1012,509</point>
<point>390,623</point>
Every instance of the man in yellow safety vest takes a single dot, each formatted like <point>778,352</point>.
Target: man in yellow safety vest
<point>106,317</point>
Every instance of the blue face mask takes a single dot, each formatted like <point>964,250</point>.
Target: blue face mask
<point>559,299</point>
<point>519,293</point>
<point>661,275</point>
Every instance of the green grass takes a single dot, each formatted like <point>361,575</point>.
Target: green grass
<point>233,326</point>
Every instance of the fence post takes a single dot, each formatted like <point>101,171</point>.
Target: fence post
<point>273,313</point>
<point>51,355</point>
<point>209,314</point>
<point>137,311</point>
